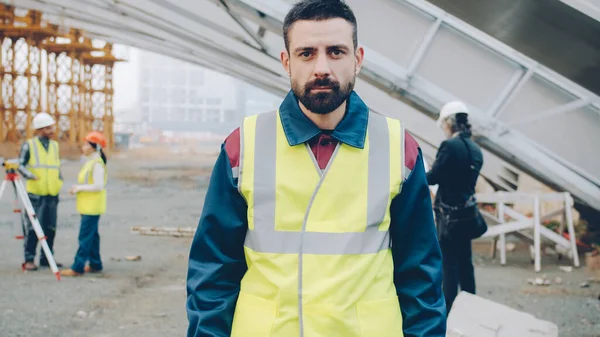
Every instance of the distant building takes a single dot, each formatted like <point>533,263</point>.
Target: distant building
<point>182,97</point>
<point>127,120</point>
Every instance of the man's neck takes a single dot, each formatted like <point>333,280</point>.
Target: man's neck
<point>325,121</point>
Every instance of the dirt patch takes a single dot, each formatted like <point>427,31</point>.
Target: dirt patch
<point>190,177</point>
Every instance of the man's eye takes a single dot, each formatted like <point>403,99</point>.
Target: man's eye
<point>305,54</point>
<point>337,52</point>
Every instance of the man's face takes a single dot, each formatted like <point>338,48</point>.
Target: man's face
<point>322,63</point>
<point>46,132</point>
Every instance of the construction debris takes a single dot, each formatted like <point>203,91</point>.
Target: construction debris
<point>475,316</point>
<point>165,231</point>
<point>510,247</point>
<point>133,258</point>
<point>539,281</point>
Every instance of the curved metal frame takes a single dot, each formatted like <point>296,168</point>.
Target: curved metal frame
<point>241,38</point>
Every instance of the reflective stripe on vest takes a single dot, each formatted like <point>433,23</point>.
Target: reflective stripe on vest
<point>264,238</point>
<point>45,165</point>
<point>36,154</point>
<point>91,203</point>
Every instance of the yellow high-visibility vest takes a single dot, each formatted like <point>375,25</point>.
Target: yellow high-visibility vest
<point>318,243</point>
<point>45,165</point>
<point>91,203</point>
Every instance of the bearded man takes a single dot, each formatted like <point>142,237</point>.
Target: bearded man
<point>317,219</point>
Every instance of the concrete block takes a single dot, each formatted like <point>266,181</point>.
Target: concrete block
<point>473,316</point>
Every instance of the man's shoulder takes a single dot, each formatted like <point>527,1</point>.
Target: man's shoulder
<point>233,144</point>
<point>28,143</point>
<point>411,150</point>
<point>452,144</point>
<point>411,146</point>
<point>232,148</point>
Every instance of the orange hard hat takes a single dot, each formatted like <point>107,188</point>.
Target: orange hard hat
<point>96,137</point>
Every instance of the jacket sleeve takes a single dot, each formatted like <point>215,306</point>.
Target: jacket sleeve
<point>23,160</point>
<point>440,165</point>
<point>216,260</point>
<point>417,258</point>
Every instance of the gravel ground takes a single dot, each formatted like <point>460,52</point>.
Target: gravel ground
<point>146,298</point>
<point>575,310</point>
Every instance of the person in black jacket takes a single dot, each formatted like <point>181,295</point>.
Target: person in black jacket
<point>455,171</point>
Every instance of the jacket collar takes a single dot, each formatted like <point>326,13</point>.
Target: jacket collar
<point>351,130</point>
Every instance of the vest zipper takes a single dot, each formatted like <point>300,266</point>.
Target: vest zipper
<point>300,260</point>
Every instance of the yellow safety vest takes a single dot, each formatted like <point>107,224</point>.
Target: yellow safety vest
<point>318,246</point>
<point>91,203</point>
<point>45,165</point>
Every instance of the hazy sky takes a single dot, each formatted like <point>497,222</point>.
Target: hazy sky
<point>126,79</point>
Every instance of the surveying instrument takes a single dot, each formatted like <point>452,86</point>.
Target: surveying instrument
<point>11,166</point>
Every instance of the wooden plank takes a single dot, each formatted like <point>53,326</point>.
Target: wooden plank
<point>165,231</point>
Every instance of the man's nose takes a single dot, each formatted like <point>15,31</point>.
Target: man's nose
<point>322,68</point>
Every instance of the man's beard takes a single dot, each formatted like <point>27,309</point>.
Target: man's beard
<point>323,102</point>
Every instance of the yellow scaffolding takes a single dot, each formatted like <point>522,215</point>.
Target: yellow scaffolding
<point>65,84</point>
<point>98,101</point>
<point>20,71</point>
<point>75,77</point>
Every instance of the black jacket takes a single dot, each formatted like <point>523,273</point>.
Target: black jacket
<point>453,172</point>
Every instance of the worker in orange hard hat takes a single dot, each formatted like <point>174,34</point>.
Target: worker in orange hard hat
<point>91,203</point>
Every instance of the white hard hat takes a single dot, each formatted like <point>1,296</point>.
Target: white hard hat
<point>451,108</point>
<point>42,120</point>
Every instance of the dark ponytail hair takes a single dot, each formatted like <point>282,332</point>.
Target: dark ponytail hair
<point>102,155</point>
<point>461,124</point>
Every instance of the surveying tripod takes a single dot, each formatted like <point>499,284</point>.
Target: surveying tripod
<point>11,166</point>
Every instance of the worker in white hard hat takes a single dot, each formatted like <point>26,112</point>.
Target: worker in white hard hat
<point>40,165</point>
<point>455,170</point>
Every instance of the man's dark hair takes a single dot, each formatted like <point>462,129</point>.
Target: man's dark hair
<point>319,10</point>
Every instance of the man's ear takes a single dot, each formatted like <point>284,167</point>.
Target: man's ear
<point>360,56</point>
<point>285,61</point>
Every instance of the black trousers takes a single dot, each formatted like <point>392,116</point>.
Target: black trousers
<point>458,268</point>
<point>45,208</point>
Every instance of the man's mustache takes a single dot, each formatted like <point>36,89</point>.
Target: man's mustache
<point>322,82</point>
